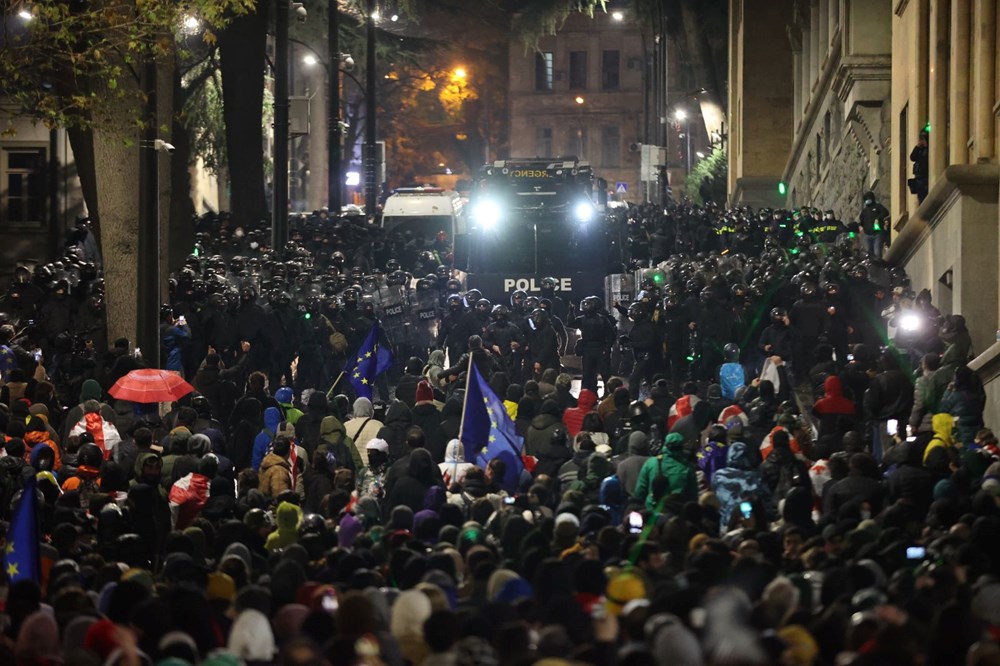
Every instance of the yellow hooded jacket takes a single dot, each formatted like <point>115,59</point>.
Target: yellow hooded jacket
<point>943,424</point>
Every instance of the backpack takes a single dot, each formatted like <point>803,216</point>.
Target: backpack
<point>732,379</point>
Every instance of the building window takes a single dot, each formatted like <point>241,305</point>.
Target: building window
<point>610,70</point>
<point>22,186</point>
<point>543,141</point>
<point>577,70</point>
<point>576,142</point>
<point>543,70</point>
<point>610,146</point>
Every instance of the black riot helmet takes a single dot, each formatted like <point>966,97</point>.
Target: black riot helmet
<point>500,313</point>
<point>549,285</point>
<point>517,299</point>
<point>591,305</point>
<point>472,297</point>
<point>453,286</point>
<point>707,295</point>
<point>778,315</point>
<point>637,311</point>
<point>484,306</point>
<point>423,284</point>
<point>532,303</point>
<point>539,317</point>
<point>442,272</point>
<point>351,297</point>
<point>808,291</point>
<point>455,303</point>
<point>396,278</point>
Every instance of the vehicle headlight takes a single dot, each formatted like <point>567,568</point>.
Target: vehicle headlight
<point>583,212</point>
<point>487,214</point>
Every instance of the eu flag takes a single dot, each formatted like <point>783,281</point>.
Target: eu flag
<point>487,431</point>
<point>370,362</point>
<point>21,553</point>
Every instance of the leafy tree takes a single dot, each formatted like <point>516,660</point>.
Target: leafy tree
<point>707,180</point>
<point>77,65</point>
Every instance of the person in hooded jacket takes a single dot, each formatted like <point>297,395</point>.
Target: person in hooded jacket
<point>562,396</point>
<point>406,387</point>
<point>318,480</point>
<point>670,465</point>
<point>262,443</point>
<point>454,468</point>
<point>631,464</point>
<point>276,470</point>
<point>573,417</point>
<point>363,427</point>
<point>333,439</point>
<point>739,481</point>
<point>410,489</point>
<point>964,400</point>
<point>288,516</point>
<point>451,418</point>
<point>240,444</point>
<point>539,435</point>
<point>860,486</point>
<point>889,397</point>
<point>557,455</point>
<point>940,451</point>
<point>427,416</point>
<point>307,428</point>
<point>782,470</point>
<point>691,426</point>
<point>835,413</point>
<point>910,483</point>
<point>89,390</point>
<point>398,419</point>
<point>575,468</point>
<point>435,365</point>
<point>286,399</point>
<point>37,433</point>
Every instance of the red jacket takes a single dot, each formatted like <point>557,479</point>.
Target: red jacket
<point>573,417</point>
<point>833,401</point>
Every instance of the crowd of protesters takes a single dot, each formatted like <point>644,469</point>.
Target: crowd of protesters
<point>777,455</point>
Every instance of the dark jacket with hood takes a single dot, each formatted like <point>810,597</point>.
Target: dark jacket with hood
<point>691,426</point>
<point>451,419</point>
<point>307,428</point>
<point>398,420</point>
<point>410,489</point>
<point>539,437</point>
<point>426,415</point>
<point>333,438</point>
<point>890,394</point>
<point>737,482</point>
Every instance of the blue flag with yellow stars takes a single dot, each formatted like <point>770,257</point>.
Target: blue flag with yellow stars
<point>371,361</point>
<point>21,552</point>
<point>487,431</point>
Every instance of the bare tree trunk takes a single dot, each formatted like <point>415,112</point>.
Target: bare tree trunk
<point>242,47</point>
<point>116,162</point>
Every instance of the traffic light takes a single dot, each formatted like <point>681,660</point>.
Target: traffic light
<point>782,188</point>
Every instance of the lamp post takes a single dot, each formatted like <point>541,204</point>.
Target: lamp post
<point>371,157</point>
<point>148,276</point>
<point>333,107</point>
<point>279,198</point>
<point>682,116</point>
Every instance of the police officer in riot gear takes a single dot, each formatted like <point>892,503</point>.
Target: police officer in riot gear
<point>558,324</point>
<point>559,307</point>
<point>644,338</point>
<point>506,340</point>
<point>424,317</point>
<point>808,321</point>
<point>597,334</point>
<point>542,342</point>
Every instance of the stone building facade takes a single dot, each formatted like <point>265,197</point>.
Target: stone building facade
<point>581,93</point>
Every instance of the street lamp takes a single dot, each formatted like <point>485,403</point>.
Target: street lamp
<point>618,16</point>
<point>25,15</point>
<point>459,72</point>
<point>682,117</point>
<point>310,60</point>
<point>579,100</point>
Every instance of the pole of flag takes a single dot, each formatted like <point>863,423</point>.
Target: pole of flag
<point>465,398</point>
<point>335,382</point>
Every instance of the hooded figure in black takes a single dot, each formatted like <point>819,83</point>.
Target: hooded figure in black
<point>309,425</point>
<point>808,321</point>
<point>776,340</point>
<point>714,325</point>
<point>398,419</point>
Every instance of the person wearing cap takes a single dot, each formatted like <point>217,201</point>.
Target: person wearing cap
<point>371,478</point>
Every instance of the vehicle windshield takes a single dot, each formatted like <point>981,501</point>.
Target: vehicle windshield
<point>422,226</point>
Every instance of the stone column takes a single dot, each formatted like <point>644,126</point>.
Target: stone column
<point>824,29</point>
<point>815,43</point>
<point>958,125</point>
<point>938,94</point>
<point>984,68</point>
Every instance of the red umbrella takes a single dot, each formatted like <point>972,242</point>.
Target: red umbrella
<point>149,386</point>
